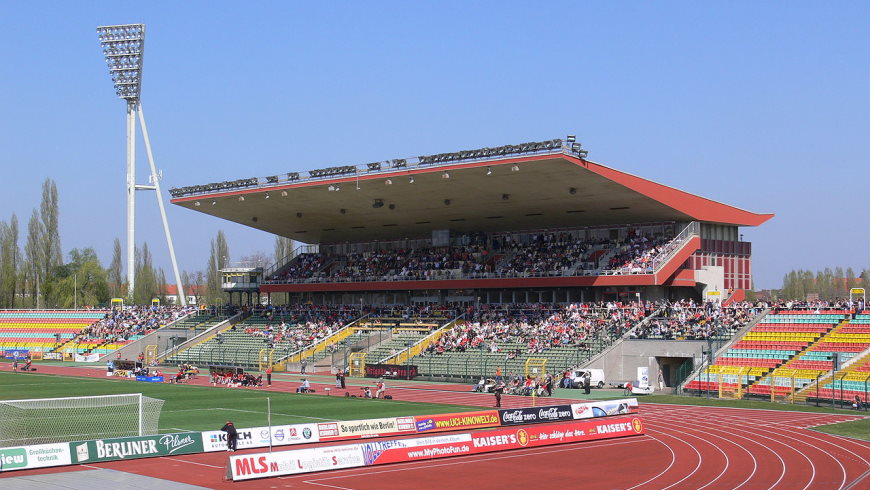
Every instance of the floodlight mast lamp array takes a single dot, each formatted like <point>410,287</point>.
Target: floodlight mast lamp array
<point>123,47</point>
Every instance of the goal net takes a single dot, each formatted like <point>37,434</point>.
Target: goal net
<point>50,420</point>
<point>536,367</point>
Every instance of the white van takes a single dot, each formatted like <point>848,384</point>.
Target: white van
<point>596,381</point>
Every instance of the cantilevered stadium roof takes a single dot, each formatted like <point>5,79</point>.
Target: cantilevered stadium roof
<point>526,187</point>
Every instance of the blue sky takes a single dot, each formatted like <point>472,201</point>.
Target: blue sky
<point>762,105</point>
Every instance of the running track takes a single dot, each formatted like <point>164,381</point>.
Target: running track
<point>684,447</point>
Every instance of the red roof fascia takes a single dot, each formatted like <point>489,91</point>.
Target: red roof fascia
<point>700,208</point>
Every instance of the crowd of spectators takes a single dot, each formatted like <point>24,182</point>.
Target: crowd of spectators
<point>548,254</point>
<point>637,254</point>
<point>298,326</point>
<point>690,320</point>
<point>539,327</point>
<point>121,323</point>
<point>537,254</point>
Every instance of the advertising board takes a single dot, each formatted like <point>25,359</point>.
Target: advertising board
<point>38,456</point>
<point>457,421</point>
<point>135,447</point>
<point>250,466</point>
<point>255,437</point>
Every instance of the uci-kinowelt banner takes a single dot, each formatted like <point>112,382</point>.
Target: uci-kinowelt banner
<point>296,461</point>
<point>604,409</point>
<point>262,465</point>
<point>135,447</point>
<point>518,416</point>
<point>355,429</point>
<point>457,421</point>
<point>282,435</point>
<point>38,456</point>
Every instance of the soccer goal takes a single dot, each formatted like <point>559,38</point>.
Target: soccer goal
<point>50,420</point>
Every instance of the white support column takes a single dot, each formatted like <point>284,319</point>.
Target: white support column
<point>156,182</point>
<point>131,199</point>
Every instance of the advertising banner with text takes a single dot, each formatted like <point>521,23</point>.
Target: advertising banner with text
<point>604,408</point>
<point>135,447</point>
<point>517,416</point>
<point>355,429</point>
<point>282,435</point>
<point>246,467</point>
<point>457,421</point>
<point>39,456</point>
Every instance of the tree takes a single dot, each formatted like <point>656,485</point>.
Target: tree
<point>257,259</point>
<point>219,258</point>
<point>116,270</point>
<point>49,212</point>
<point>10,258</point>
<point>146,287</point>
<point>80,282</point>
<point>283,250</point>
<point>33,259</point>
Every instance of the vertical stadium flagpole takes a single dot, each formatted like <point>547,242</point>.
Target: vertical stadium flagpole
<point>156,183</point>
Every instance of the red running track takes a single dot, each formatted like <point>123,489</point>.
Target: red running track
<point>685,447</point>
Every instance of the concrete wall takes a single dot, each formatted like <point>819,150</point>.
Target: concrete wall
<point>621,361</point>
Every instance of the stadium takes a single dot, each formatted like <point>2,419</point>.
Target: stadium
<point>516,269</point>
<point>509,315</point>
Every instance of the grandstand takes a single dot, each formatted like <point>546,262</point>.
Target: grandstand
<point>535,223</point>
<point>46,330</point>
<point>795,356</point>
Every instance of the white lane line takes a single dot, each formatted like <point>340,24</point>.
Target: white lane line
<point>673,460</point>
<point>697,466</point>
<point>708,432</point>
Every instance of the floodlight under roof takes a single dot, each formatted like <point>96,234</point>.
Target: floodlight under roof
<point>123,47</point>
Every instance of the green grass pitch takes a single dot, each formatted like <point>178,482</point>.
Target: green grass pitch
<point>198,408</point>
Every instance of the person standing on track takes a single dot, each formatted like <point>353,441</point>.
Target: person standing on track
<point>498,390</point>
<point>269,375</point>
<point>232,435</point>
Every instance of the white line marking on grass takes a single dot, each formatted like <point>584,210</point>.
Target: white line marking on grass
<point>258,412</point>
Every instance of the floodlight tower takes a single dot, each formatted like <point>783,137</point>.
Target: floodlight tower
<point>123,46</point>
